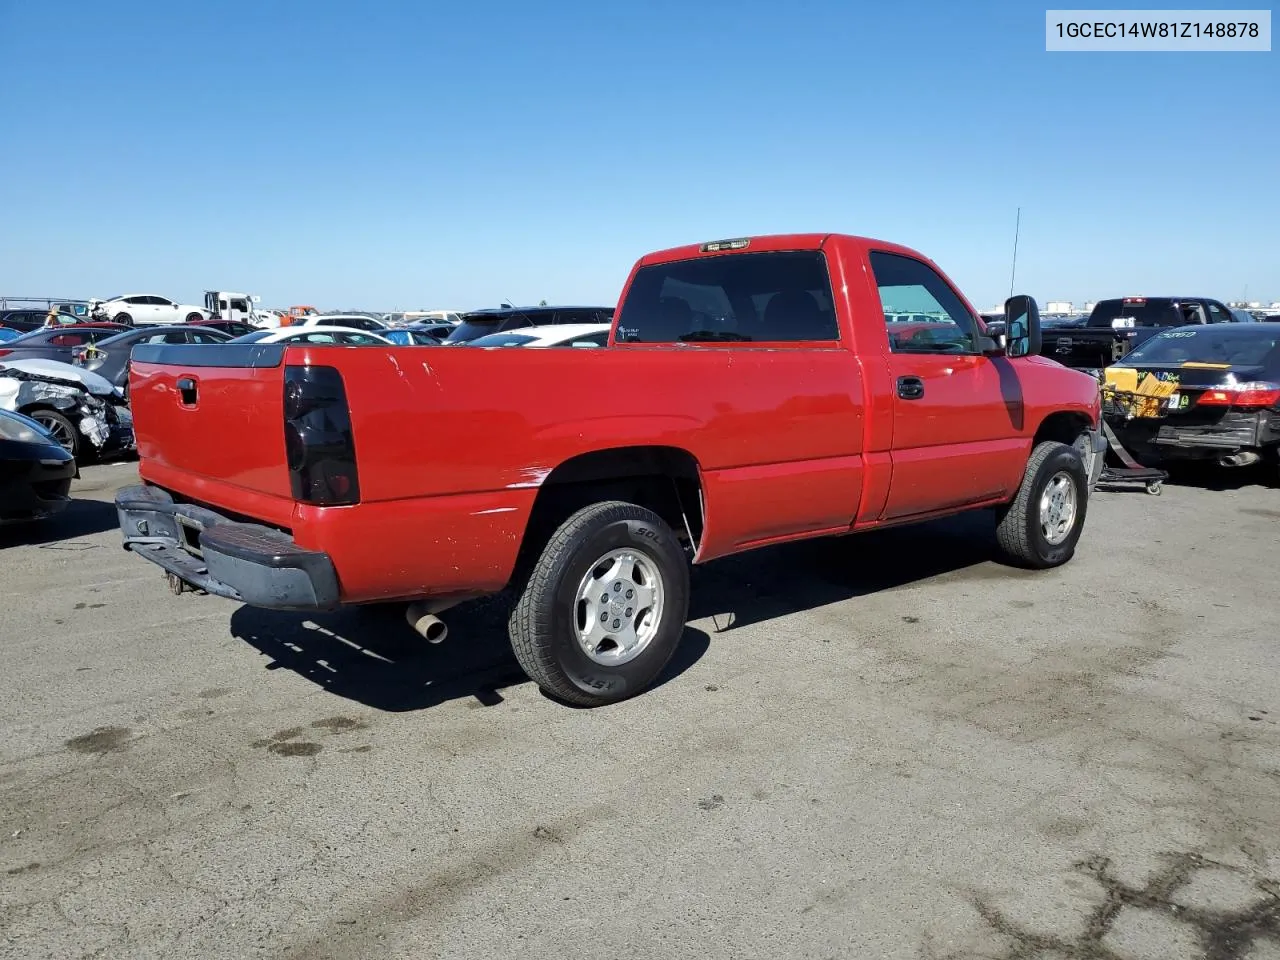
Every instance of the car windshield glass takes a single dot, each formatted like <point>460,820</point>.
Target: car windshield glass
<point>117,338</point>
<point>502,340</point>
<point>35,336</point>
<point>6,334</point>
<point>1239,346</point>
<point>252,337</point>
<point>472,327</point>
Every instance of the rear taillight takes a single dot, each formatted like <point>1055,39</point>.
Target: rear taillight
<point>319,444</point>
<point>1254,395</point>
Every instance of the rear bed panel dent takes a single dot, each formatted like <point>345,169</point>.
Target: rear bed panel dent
<point>431,546</point>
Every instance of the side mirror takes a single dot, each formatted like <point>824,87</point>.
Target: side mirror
<point>1021,327</point>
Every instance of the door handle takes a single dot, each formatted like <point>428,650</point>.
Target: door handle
<point>910,388</point>
<point>187,390</point>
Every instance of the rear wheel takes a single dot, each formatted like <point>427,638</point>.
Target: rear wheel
<point>123,318</point>
<point>1040,527</point>
<point>604,607</point>
<point>194,317</point>
<point>63,430</point>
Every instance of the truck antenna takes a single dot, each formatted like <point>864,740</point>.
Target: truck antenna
<point>1014,273</point>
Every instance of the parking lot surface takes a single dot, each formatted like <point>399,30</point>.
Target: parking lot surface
<point>886,746</point>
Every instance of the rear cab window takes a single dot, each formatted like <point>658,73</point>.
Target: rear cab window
<point>1122,314</point>
<point>775,297</point>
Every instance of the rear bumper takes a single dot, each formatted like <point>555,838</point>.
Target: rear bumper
<point>255,564</point>
<point>1169,439</point>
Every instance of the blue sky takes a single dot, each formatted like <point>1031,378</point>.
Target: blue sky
<point>393,154</point>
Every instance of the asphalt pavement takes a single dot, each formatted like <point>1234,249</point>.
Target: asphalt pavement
<point>886,746</point>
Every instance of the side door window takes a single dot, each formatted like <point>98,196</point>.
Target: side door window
<point>939,322</point>
<point>1217,314</point>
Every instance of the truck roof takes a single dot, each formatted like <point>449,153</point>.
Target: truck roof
<point>765,243</point>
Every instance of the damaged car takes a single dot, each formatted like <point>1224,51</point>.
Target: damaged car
<point>1212,393</point>
<point>35,471</point>
<point>84,412</point>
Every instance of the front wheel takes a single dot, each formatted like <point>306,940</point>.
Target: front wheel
<point>1040,527</point>
<point>63,430</point>
<point>604,606</point>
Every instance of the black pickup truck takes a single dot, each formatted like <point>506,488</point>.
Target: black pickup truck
<point>1117,326</point>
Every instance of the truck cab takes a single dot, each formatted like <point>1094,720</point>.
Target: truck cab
<point>231,307</point>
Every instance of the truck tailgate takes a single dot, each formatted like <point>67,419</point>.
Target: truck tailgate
<point>209,424</point>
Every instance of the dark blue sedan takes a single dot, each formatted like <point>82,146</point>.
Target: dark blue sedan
<point>35,471</point>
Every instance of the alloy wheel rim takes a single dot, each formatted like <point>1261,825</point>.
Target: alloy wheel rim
<point>618,606</point>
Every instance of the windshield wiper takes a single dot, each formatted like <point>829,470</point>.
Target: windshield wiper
<point>711,336</point>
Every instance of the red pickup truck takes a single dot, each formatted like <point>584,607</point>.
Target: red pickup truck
<point>752,392</point>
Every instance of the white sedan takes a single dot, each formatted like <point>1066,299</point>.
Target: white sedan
<point>551,335</point>
<point>315,335</point>
<point>147,308</point>
<point>349,321</point>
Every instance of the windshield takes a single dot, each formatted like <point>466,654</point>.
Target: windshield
<point>252,337</point>
<point>1239,346</point>
<point>7,334</point>
<point>116,338</point>
<point>473,327</point>
<point>502,340</point>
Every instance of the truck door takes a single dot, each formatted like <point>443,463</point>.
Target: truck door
<point>957,419</point>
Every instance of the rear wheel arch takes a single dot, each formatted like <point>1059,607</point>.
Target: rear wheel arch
<point>664,479</point>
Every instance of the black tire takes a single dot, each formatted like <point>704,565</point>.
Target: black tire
<point>1019,530</point>
<point>62,428</point>
<point>194,317</point>
<point>123,318</point>
<point>543,624</point>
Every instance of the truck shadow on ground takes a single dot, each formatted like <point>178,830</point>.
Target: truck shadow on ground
<point>81,518</point>
<point>761,585</point>
<point>371,656</point>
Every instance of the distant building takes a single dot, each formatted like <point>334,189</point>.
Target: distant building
<point>1089,305</point>
<point>1058,307</point>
